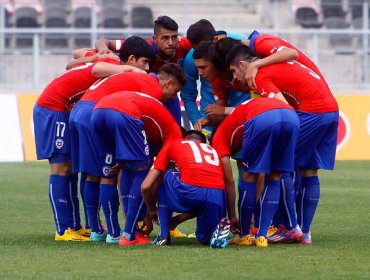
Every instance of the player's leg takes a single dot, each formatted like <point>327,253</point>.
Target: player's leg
<point>316,149</point>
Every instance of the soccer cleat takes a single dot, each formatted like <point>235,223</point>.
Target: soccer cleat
<point>176,233</point>
<point>70,235</point>
<point>192,235</point>
<point>220,236</point>
<point>271,231</point>
<point>247,240</point>
<point>158,241</point>
<point>235,240</point>
<point>84,232</point>
<point>112,240</point>
<point>98,237</point>
<point>137,241</point>
<point>286,236</point>
<point>305,239</point>
<point>261,242</point>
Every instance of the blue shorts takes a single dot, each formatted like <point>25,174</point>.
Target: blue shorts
<point>119,138</point>
<point>51,132</point>
<point>173,106</point>
<point>84,151</point>
<point>269,141</point>
<point>317,140</point>
<point>209,204</point>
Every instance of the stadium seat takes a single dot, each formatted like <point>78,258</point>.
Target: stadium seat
<point>358,24</point>
<point>57,4</point>
<point>82,19</point>
<point>35,4</point>
<point>142,17</point>
<point>307,17</point>
<point>56,17</point>
<point>338,41</point>
<point>25,17</point>
<point>8,11</point>
<point>332,8</point>
<point>113,18</point>
<point>112,4</point>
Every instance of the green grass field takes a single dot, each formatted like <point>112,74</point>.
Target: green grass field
<point>340,231</point>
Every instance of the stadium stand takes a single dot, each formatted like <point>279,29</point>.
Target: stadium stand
<point>112,17</point>
<point>141,17</point>
<point>82,19</point>
<point>56,17</point>
<point>35,4</point>
<point>25,17</point>
<point>64,4</point>
<point>340,42</point>
<point>306,13</point>
<point>332,8</point>
<point>112,3</point>
<point>8,12</point>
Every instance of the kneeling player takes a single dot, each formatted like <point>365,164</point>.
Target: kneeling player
<point>197,186</point>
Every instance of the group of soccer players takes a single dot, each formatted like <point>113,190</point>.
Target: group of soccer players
<point>114,117</point>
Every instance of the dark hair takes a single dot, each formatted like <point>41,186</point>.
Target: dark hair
<point>165,22</point>
<point>174,70</point>
<point>198,133</point>
<point>239,53</point>
<point>202,50</point>
<point>200,31</point>
<point>136,46</point>
<point>219,51</point>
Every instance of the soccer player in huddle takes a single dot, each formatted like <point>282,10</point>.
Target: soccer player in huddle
<point>197,33</point>
<point>52,137</point>
<point>118,122</point>
<point>168,47</point>
<point>267,131</point>
<point>193,182</point>
<point>307,92</point>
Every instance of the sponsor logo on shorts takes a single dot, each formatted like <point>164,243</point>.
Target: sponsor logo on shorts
<point>147,150</point>
<point>59,143</point>
<point>106,170</point>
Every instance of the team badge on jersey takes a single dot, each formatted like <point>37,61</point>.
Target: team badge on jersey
<point>180,61</point>
<point>59,143</point>
<point>106,170</point>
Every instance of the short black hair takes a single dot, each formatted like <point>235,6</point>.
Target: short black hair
<point>165,22</point>
<point>174,70</point>
<point>219,51</point>
<point>202,51</point>
<point>239,53</point>
<point>136,46</point>
<point>198,133</point>
<point>200,31</point>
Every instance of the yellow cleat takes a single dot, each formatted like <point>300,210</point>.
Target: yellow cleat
<point>70,235</point>
<point>247,240</point>
<point>176,233</point>
<point>235,240</point>
<point>261,242</point>
<point>84,232</point>
<point>271,231</point>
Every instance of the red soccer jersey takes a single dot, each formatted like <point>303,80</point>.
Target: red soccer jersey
<point>264,45</point>
<point>221,87</point>
<point>198,163</point>
<point>68,87</point>
<point>229,135</point>
<point>304,89</point>
<point>126,81</point>
<point>147,109</point>
<point>182,49</point>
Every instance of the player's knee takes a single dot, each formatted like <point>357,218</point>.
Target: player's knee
<point>61,169</point>
<point>92,178</point>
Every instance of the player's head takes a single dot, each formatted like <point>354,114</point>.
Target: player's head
<point>219,51</point>
<point>195,135</point>
<point>200,31</point>
<point>171,79</point>
<point>220,34</point>
<point>165,36</point>
<point>238,59</point>
<point>136,52</point>
<point>206,68</point>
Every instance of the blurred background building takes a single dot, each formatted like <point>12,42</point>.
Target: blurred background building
<point>37,37</point>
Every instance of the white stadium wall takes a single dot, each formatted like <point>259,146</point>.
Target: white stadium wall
<point>17,139</point>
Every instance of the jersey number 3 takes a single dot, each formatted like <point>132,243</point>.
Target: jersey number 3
<point>209,154</point>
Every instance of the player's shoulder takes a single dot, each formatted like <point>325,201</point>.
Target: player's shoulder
<point>184,43</point>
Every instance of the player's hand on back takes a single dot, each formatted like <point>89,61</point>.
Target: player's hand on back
<point>110,55</point>
<point>105,51</point>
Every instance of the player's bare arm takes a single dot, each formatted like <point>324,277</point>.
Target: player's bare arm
<point>104,46</point>
<point>230,194</point>
<point>147,192</point>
